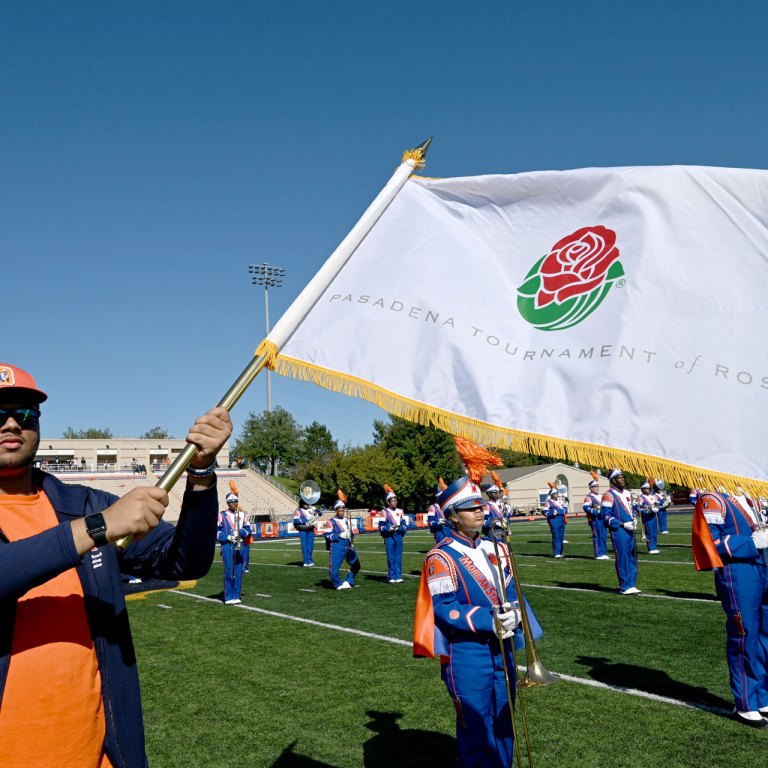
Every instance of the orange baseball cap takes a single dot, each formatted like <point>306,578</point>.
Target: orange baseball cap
<point>14,380</point>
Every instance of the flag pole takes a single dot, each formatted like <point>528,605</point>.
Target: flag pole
<point>285,327</point>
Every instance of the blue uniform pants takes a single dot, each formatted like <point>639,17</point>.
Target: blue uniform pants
<point>475,680</point>
<point>394,545</point>
<point>662,520</point>
<point>246,557</point>
<point>340,551</point>
<point>599,537</point>
<point>743,592</point>
<point>651,528</point>
<point>626,557</point>
<point>557,526</point>
<point>233,571</point>
<point>307,539</point>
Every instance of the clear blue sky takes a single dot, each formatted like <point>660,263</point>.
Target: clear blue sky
<point>152,150</point>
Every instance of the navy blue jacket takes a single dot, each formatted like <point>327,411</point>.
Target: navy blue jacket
<point>167,552</point>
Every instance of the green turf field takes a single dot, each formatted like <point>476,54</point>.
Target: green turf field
<point>233,686</point>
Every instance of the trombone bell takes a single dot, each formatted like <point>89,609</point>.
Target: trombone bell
<point>536,675</point>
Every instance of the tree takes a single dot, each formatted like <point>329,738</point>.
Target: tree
<point>270,439</point>
<point>92,433</point>
<point>316,442</point>
<point>157,433</point>
<point>426,453</point>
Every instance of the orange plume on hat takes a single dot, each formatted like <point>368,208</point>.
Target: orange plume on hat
<point>496,479</point>
<point>552,486</point>
<point>650,481</point>
<point>441,483</point>
<point>233,487</point>
<point>475,458</point>
<point>387,489</point>
<point>342,496</point>
<point>595,476</point>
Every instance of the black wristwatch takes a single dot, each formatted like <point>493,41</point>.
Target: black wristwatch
<point>97,529</point>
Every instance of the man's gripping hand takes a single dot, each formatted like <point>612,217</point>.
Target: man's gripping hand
<point>135,514</point>
<point>208,434</point>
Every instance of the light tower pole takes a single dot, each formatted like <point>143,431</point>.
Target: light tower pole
<point>270,277</point>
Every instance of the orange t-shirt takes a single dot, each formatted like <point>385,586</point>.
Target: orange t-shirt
<point>52,713</point>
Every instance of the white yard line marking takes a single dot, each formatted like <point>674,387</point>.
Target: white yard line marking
<point>714,600</point>
<point>408,644</point>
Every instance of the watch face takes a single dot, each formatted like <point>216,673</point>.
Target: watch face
<point>96,528</point>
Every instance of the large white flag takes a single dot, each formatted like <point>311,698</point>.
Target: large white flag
<point>607,315</point>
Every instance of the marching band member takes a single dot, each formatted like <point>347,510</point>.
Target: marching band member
<point>304,521</point>
<point>247,540</point>
<point>563,499</point>
<point>460,613</point>
<point>729,537</point>
<point>648,507</point>
<point>594,518</point>
<point>392,529</point>
<point>438,525</point>
<point>555,514</point>
<point>663,500</point>
<point>339,540</point>
<point>495,515</point>
<point>233,527</point>
<point>616,511</point>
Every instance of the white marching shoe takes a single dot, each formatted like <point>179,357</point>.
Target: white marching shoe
<point>630,591</point>
<point>344,585</point>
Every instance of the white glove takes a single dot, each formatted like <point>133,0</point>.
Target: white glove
<point>628,526</point>
<point>508,617</point>
<point>231,537</point>
<point>344,535</point>
<point>761,539</point>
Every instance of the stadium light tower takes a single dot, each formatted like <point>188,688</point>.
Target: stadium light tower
<point>270,277</point>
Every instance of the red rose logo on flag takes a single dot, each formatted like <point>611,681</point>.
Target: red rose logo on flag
<point>569,283</point>
<point>576,264</point>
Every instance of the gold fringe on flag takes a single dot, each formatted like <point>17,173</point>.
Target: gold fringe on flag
<point>417,155</point>
<point>505,437</point>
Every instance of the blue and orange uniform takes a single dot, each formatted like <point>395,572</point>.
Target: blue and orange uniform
<point>592,509</point>
<point>438,525</point>
<point>304,519</point>
<point>463,582</point>
<point>339,539</point>
<point>616,506</point>
<point>555,512</point>
<point>648,506</point>
<point>663,501</point>
<point>233,527</point>
<point>393,529</point>
<point>728,537</point>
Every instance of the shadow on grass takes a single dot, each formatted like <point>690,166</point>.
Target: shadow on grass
<point>390,746</point>
<point>404,748</point>
<point>653,681</point>
<point>217,596</point>
<point>376,577</point>
<point>289,759</point>
<point>591,586</point>
<point>690,595</point>
<point>297,563</point>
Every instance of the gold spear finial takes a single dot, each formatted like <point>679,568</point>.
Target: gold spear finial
<point>418,154</point>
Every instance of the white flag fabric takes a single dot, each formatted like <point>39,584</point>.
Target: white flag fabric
<point>606,315</point>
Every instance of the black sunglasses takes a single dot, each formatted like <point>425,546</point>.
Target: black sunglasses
<point>26,418</point>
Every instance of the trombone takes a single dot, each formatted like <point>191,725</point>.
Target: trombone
<point>536,674</point>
